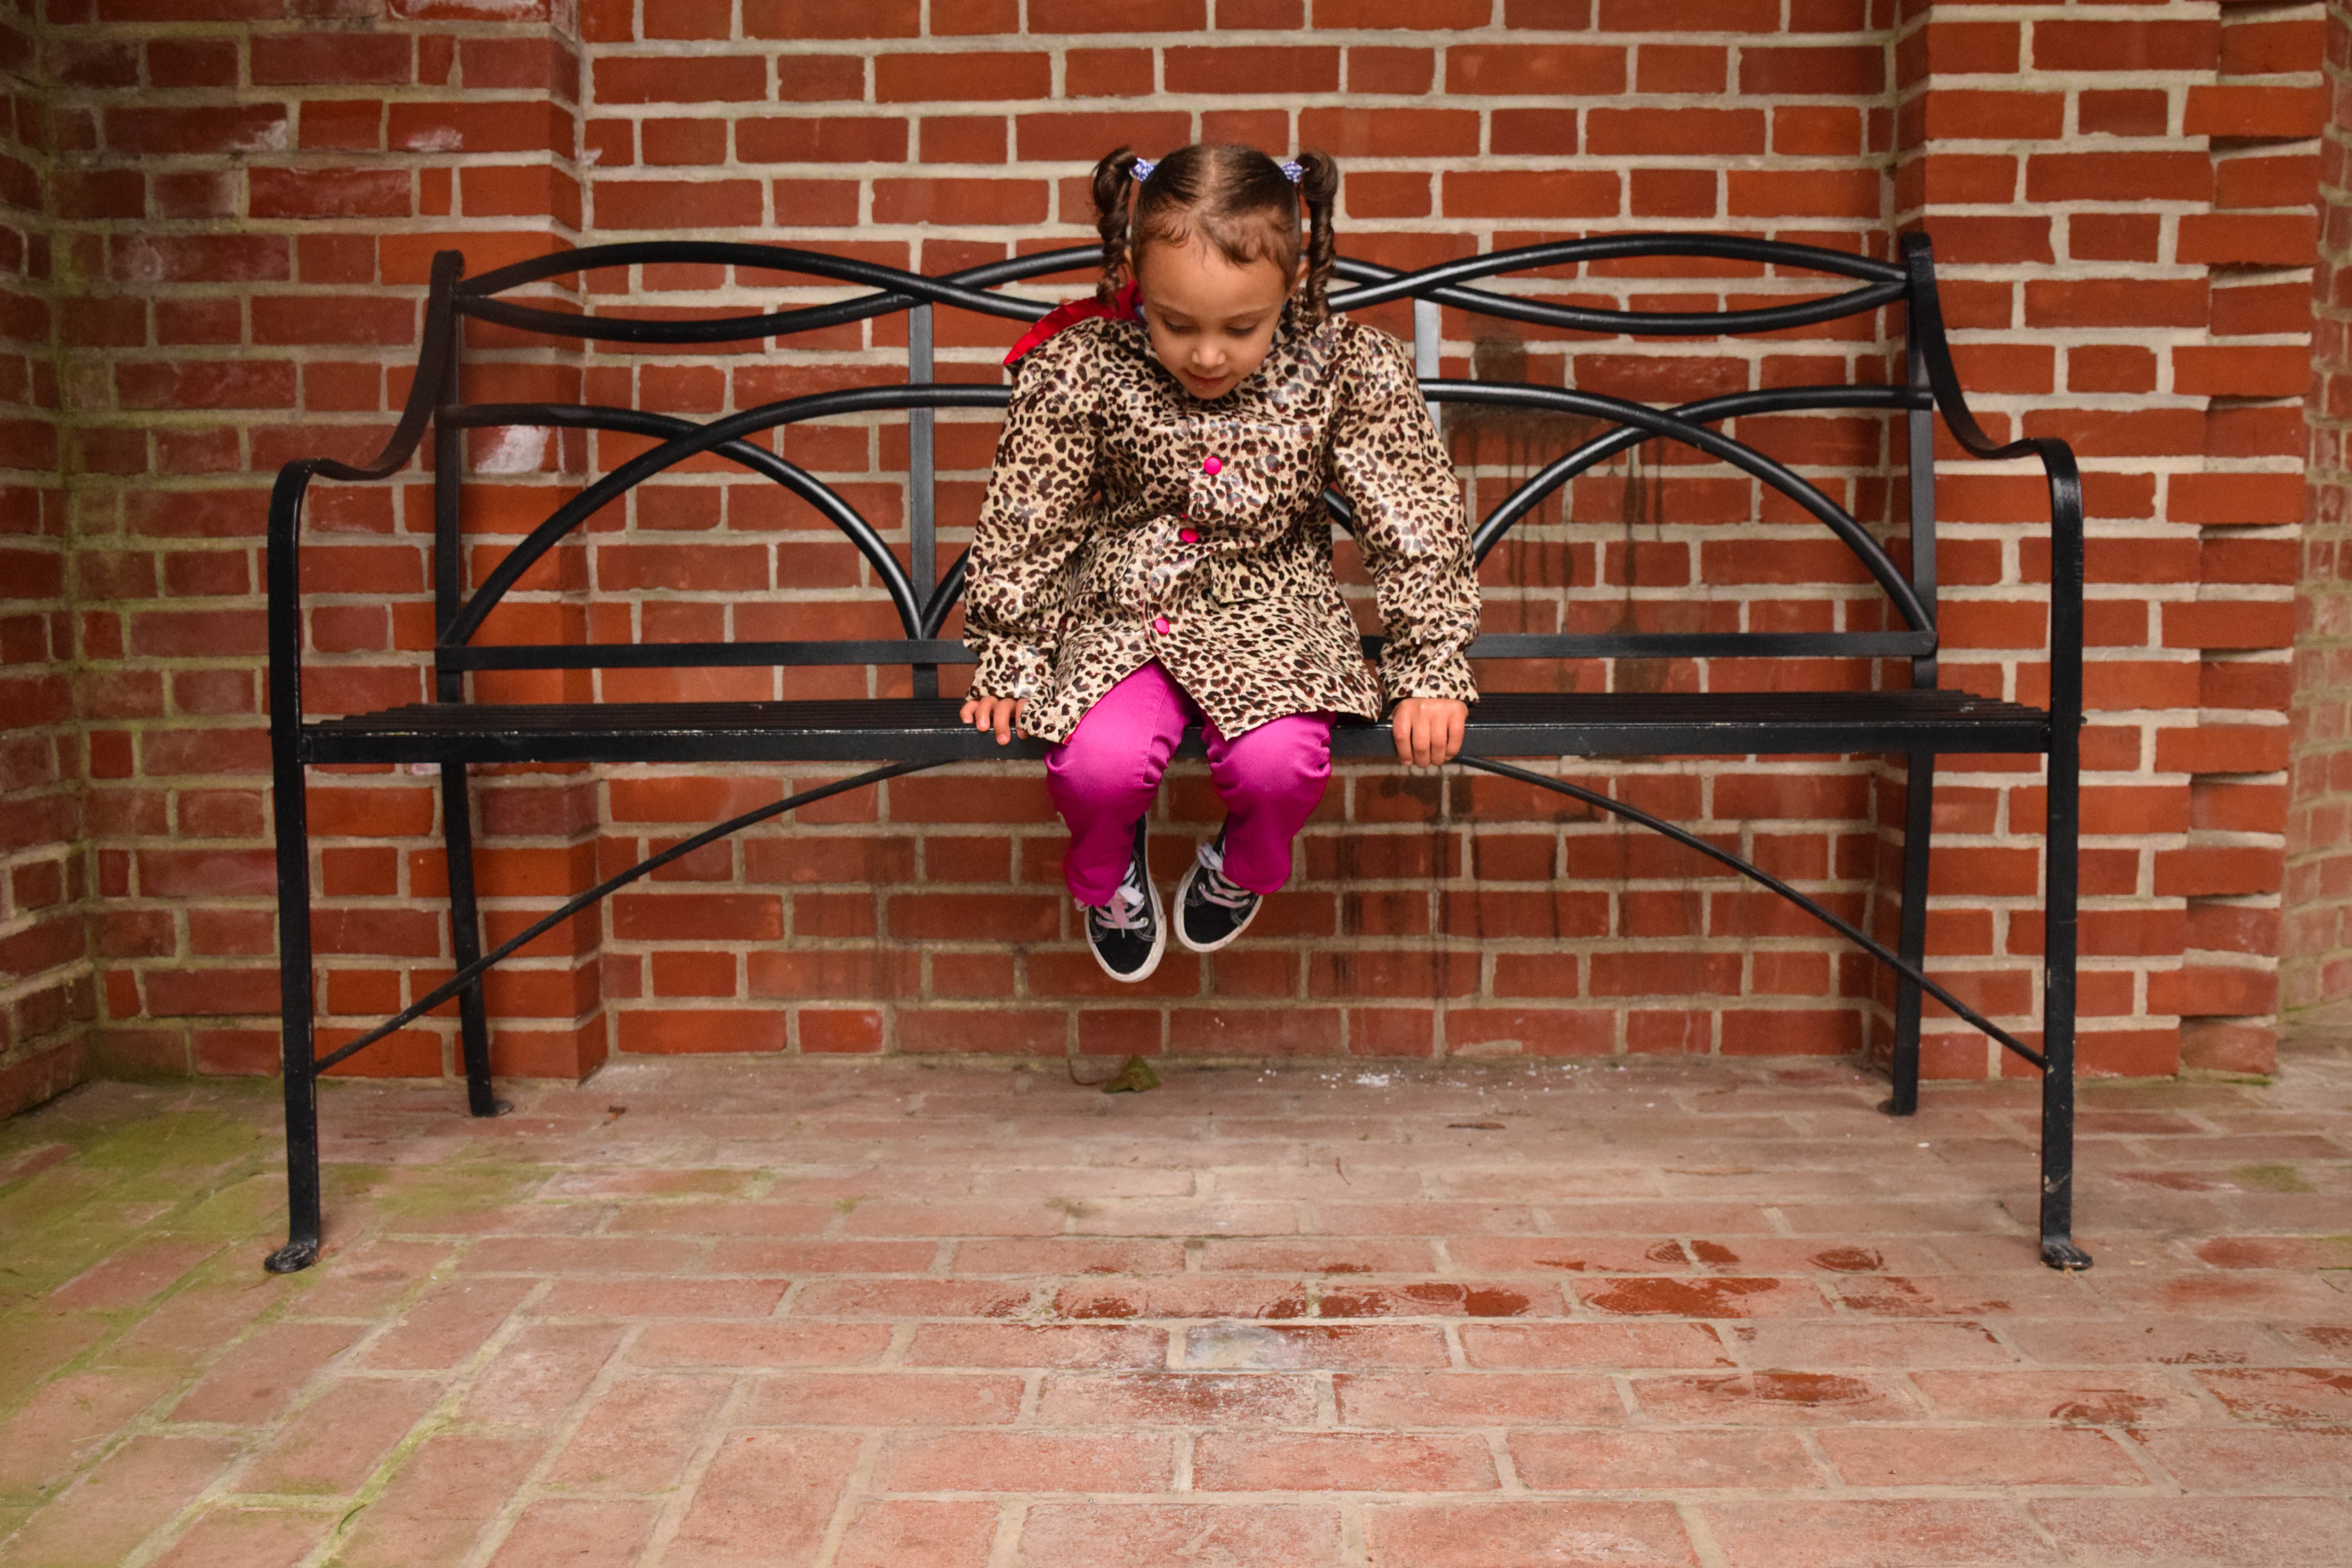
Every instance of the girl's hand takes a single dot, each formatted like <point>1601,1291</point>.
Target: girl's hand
<point>1428,730</point>
<point>1002,714</point>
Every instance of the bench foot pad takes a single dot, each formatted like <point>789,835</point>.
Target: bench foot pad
<point>2060,1253</point>
<point>292,1257</point>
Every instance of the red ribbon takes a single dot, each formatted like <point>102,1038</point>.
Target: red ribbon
<point>1127,308</point>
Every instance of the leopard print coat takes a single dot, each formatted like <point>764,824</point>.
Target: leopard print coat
<point>1127,521</point>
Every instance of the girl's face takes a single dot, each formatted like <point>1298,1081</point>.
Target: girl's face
<point>1209,321</point>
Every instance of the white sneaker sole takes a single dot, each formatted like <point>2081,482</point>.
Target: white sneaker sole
<point>1159,942</point>
<point>1183,891</point>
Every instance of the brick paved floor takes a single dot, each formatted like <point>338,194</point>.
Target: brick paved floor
<point>705,1314</point>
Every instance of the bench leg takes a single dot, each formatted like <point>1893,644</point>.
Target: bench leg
<point>296,1027</point>
<point>2058,1248</point>
<point>466,938</point>
<point>1919,828</point>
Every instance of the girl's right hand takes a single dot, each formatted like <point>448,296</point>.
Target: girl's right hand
<point>1002,714</point>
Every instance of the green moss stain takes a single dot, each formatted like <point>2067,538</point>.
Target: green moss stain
<point>235,1206</point>
<point>2273,1178</point>
<point>176,1141</point>
<point>419,1194</point>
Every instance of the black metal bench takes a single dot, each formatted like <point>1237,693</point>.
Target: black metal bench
<point>921,731</point>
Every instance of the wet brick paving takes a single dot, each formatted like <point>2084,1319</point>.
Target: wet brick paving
<point>720,1313</point>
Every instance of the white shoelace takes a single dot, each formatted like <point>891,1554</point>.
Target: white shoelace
<point>1215,886</point>
<point>1128,910</point>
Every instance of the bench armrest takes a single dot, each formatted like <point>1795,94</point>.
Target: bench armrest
<point>283,574</point>
<point>2058,467</point>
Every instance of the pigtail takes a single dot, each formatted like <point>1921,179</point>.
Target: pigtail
<point>1318,183</point>
<point>1114,208</point>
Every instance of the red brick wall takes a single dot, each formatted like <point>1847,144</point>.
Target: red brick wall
<point>2122,196</point>
<point>45,988</point>
<point>2314,970</point>
<point>249,199</point>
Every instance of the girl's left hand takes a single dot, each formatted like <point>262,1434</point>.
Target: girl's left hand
<point>1428,730</point>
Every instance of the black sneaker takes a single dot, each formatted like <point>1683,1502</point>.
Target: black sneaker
<point>1211,910</point>
<point>1128,933</point>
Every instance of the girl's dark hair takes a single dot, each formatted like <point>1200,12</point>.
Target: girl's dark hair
<point>1235,198</point>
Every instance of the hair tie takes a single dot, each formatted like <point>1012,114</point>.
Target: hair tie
<point>1142,167</point>
<point>1293,172</point>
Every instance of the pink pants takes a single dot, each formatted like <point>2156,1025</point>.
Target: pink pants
<point>1103,779</point>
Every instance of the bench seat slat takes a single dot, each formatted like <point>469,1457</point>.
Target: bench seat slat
<point>1504,724</point>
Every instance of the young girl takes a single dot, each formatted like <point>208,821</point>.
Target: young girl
<point>1154,550</point>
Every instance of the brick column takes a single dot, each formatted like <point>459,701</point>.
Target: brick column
<point>2315,967</point>
<point>249,199</point>
<point>46,982</point>
<point>2123,207</point>
<point>2261,118</point>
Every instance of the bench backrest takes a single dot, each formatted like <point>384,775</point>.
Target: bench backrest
<point>1604,426</point>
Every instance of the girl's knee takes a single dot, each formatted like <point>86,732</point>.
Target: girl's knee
<point>1100,769</point>
<point>1287,760</point>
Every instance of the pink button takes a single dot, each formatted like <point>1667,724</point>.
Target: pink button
<point>1213,467</point>
<point>1190,536</point>
<point>1159,625</point>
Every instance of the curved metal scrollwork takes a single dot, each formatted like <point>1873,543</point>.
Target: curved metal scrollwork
<point>683,438</point>
<point>1655,422</point>
<point>1538,487</point>
<point>894,289</point>
<point>970,288</point>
